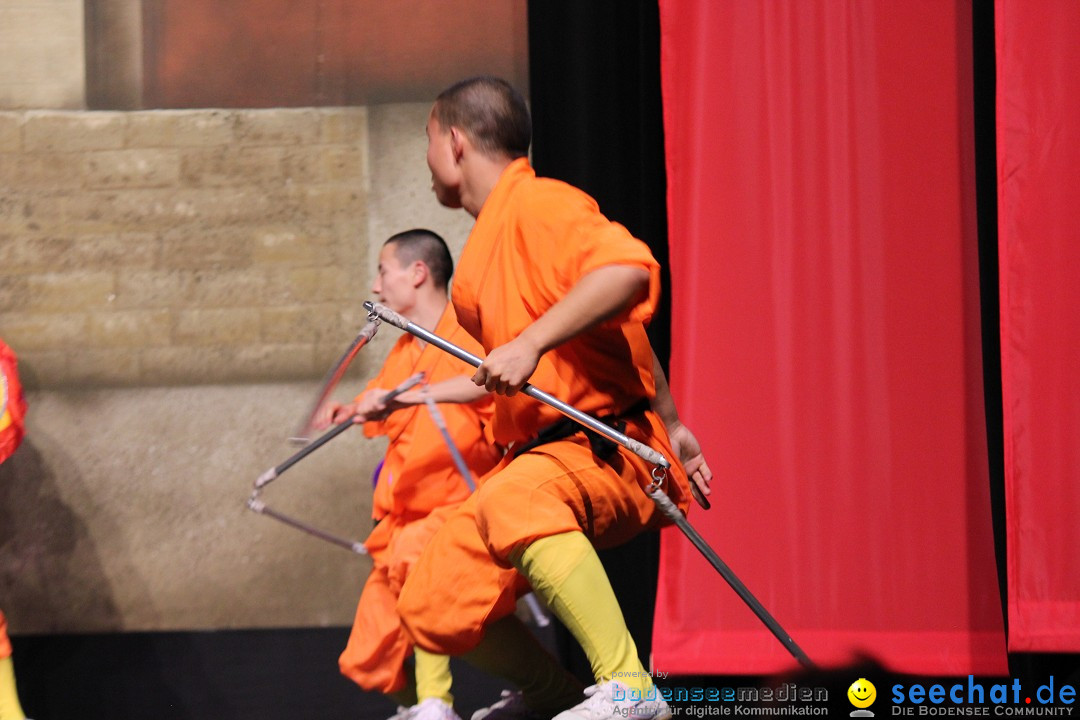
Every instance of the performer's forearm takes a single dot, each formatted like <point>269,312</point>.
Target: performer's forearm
<point>662,403</point>
<point>598,296</point>
<point>460,389</point>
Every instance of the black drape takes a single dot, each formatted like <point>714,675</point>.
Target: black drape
<point>595,93</point>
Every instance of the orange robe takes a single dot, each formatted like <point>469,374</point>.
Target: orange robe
<point>418,482</point>
<point>534,239</point>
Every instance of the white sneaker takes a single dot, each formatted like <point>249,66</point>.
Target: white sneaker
<point>403,713</point>
<point>511,706</point>
<point>433,709</point>
<point>611,699</point>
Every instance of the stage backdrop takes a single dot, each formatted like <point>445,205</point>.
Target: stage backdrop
<point>1038,149</point>
<point>825,336</point>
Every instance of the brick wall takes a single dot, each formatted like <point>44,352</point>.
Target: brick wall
<point>181,247</point>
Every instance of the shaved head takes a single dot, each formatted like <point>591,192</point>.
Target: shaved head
<point>428,248</point>
<point>490,111</point>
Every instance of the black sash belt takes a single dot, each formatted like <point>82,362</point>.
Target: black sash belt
<point>602,447</point>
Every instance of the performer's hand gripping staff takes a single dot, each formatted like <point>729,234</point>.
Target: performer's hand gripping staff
<point>655,489</point>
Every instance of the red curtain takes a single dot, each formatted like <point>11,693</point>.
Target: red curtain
<point>1038,127</point>
<point>826,345</point>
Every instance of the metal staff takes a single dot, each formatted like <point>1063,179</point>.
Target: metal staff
<point>254,503</point>
<point>333,377</point>
<point>640,449</point>
<point>257,505</point>
<point>274,472</point>
<point>668,508</point>
<point>440,422</point>
<point>655,490</point>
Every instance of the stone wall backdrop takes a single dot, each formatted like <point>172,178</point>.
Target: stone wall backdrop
<point>42,54</point>
<point>176,284</point>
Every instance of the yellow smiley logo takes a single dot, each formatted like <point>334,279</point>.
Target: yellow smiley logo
<point>862,693</point>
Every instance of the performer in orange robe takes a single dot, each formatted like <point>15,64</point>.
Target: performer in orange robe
<point>418,480</point>
<point>12,412</point>
<point>415,486</point>
<point>557,295</point>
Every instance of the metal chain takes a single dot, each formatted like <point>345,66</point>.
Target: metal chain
<point>659,475</point>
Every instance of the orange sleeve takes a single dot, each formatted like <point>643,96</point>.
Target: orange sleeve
<point>533,241</point>
<point>578,240</point>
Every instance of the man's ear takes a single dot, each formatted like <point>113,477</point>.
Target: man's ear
<point>420,273</point>
<point>458,140</point>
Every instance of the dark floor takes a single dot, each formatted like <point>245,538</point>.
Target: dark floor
<point>264,674</point>
<point>292,674</point>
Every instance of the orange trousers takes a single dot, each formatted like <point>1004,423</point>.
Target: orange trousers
<point>378,645</point>
<point>465,578</point>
